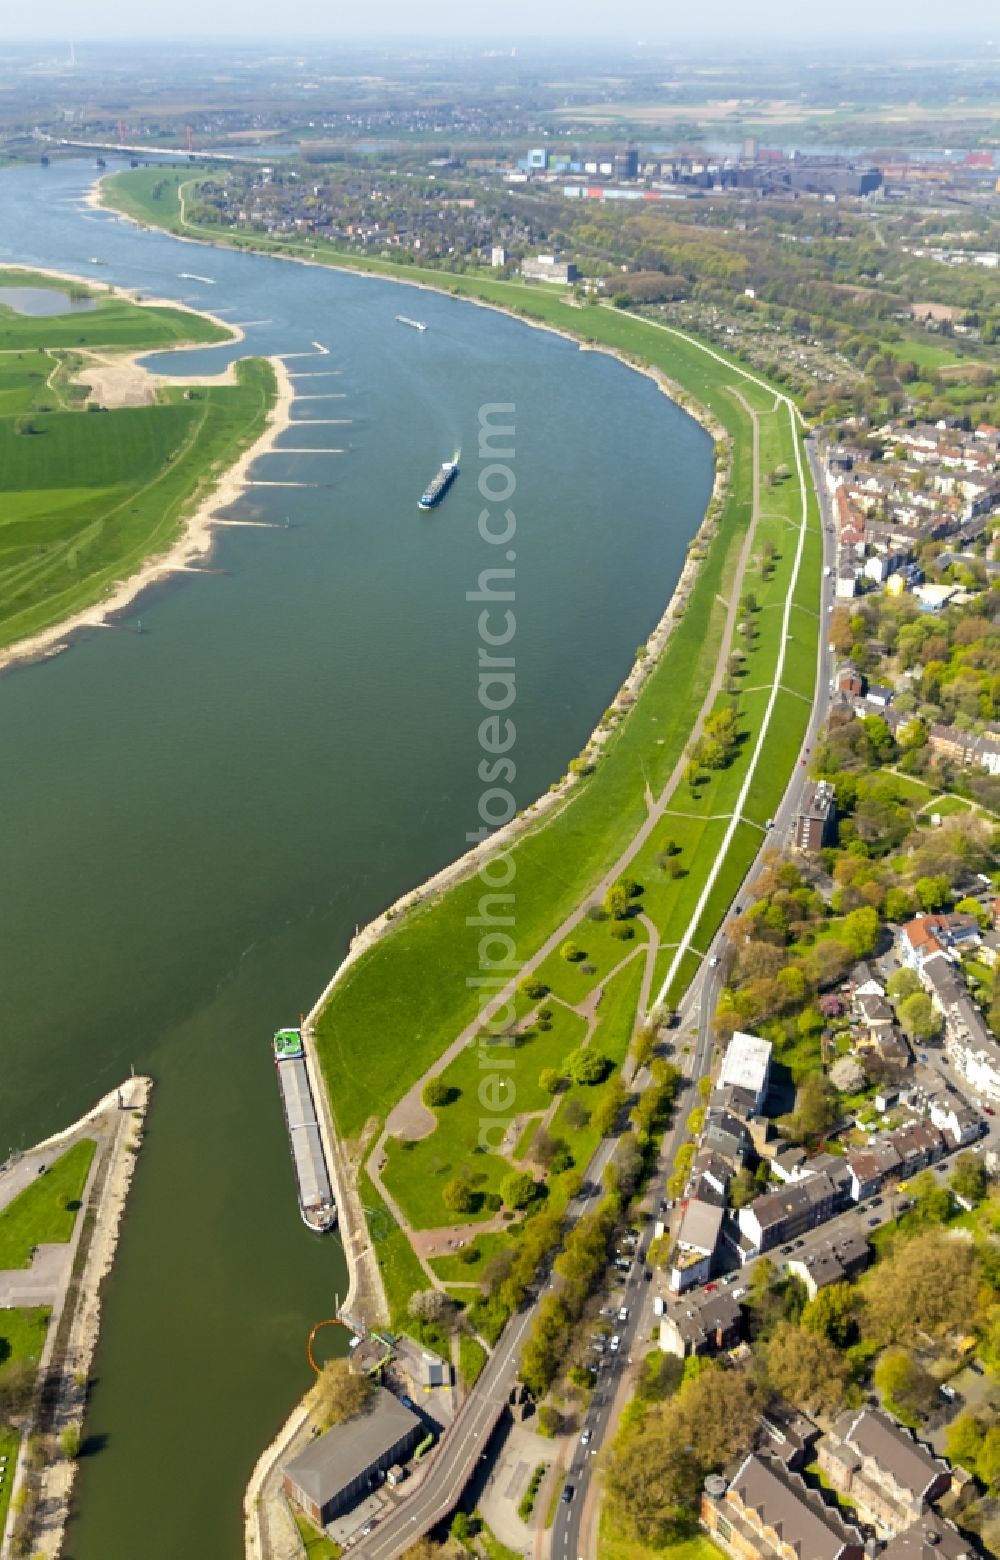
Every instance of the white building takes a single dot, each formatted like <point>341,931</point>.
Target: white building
<point>746,1065</point>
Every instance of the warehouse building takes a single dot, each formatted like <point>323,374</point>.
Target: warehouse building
<point>339,1468</point>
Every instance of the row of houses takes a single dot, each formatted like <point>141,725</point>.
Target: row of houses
<point>764,1510</point>
<point>933,946</point>
<point>932,482</point>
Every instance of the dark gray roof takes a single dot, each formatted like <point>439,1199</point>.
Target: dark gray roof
<point>875,1434</point>
<point>932,1538</point>
<point>337,1458</point>
<point>811,1530</point>
<point>703,1314</point>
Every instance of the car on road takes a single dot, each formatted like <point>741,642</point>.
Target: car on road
<point>616,1344</point>
<point>873,1224</point>
<point>585,1437</point>
<point>623,1313</point>
<point>567,1494</point>
<point>948,1393</point>
<point>989,1110</point>
<point>713,961</point>
<point>786,1251</point>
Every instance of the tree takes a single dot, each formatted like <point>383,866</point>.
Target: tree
<point>933,893</point>
<point>903,984</point>
<point>964,1441</point>
<point>831,1314</point>
<point>432,1305</point>
<point>898,907</point>
<point>616,901</point>
<point>928,1284</point>
<point>806,1368</point>
<point>17,1381</point>
<point>609,1106</point>
<point>968,1179</point>
<point>435,1092</point>
<point>742,1189</point>
<point>932,1202</point>
<point>458,1196</point>
<point>816,1109</point>
<point>904,1384</point>
<point>918,1018</point>
<point>660,1457</point>
<point>551,1080</point>
<point>587,1066</point>
<point>518,1189</point>
<point>571,952</point>
<point>860,931</point>
<point>337,1394</point>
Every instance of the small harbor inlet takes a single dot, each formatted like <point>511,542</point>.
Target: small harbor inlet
<point>317,1204</point>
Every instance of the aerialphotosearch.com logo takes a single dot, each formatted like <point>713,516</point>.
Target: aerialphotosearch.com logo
<point>495,918</point>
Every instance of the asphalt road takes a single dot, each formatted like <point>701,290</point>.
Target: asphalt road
<point>454,1460</point>
<point>697,1006</point>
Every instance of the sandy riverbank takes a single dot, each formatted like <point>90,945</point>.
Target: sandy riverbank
<point>195,540</point>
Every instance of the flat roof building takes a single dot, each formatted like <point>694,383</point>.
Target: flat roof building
<point>746,1065</point>
<point>813,827</point>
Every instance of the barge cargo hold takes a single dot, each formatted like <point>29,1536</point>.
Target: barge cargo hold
<point>317,1203</point>
<point>439,485</point>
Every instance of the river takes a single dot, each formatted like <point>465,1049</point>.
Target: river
<point>196,817</point>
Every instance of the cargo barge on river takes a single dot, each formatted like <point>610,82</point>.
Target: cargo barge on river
<point>317,1203</point>
<point>439,484</point>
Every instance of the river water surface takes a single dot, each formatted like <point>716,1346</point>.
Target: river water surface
<point>194,819</point>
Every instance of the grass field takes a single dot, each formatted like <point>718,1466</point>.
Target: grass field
<point>614,1547</point>
<point>316,1544</point>
<point>47,1208</point>
<point>87,496</point>
<point>10,1441</point>
<point>84,499</point>
<point>22,1334</point>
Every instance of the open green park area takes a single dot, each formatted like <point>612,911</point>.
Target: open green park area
<point>402,1003</point>
<point>86,495</point>
<point>46,1210</point>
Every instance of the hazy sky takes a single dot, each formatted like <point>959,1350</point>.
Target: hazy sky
<point>658,20</point>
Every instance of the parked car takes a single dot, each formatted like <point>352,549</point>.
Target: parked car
<point>616,1344</point>
<point>585,1437</point>
<point>623,1313</point>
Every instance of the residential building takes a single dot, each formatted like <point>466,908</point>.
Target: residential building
<point>696,1245</point>
<point>957,1122</point>
<point>339,1468</point>
<point>780,1216</point>
<point>727,1137</point>
<point>869,1168</point>
<point>814,822</point>
<point>702,1325</point>
<point>747,1065</point>
<point>768,1513</point>
<point>838,1259</point>
<point>787,1436</point>
<point>931,1538</point>
<point>889,1476</point>
<point>918,1145</point>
